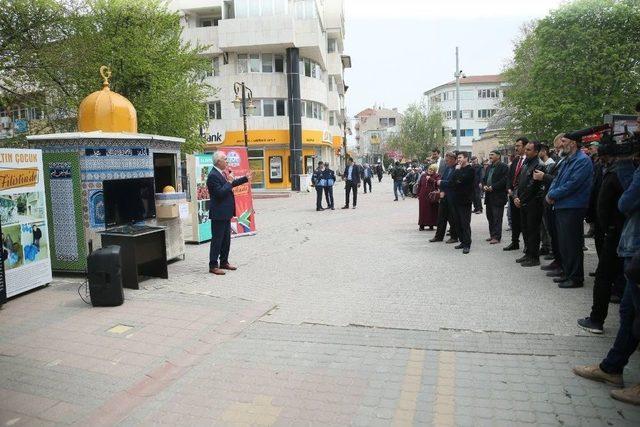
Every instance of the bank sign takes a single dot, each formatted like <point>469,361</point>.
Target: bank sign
<point>214,133</point>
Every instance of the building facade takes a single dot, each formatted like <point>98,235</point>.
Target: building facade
<point>480,98</point>
<point>373,128</point>
<point>289,53</point>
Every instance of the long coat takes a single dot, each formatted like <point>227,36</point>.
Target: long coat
<point>428,211</point>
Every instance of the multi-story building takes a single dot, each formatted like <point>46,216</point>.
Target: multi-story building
<point>480,98</point>
<point>289,53</point>
<point>373,128</point>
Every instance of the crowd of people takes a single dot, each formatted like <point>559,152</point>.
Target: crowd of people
<point>549,193</point>
<point>323,180</point>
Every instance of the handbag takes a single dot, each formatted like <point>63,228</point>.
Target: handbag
<point>434,196</point>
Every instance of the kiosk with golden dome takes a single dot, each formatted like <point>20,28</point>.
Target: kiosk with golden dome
<point>107,147</point>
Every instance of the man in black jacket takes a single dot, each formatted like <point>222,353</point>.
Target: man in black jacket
<point>512,184</point>
<point>397,175</point>
<point>494,184</point>
<point>351,178</point>
<point>528,197</point>
<point>462,182</point>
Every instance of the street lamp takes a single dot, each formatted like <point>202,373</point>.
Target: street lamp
<point>243,93</point>
<point>457,75</point>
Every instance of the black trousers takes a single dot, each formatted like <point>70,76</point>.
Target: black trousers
<point>552,228</point>
<point>495,214</point>
<point>477,199</point>
<point>328,194</point>
<point>319,191</point>
<point>446,214</point>
<point>367,181</point>
<point>531,221</point>
<point>607,274</point>
<point>516,225</point>
<point>220,242</point>
<point>350,186</point>
<point>379,177</point>
<point>463,213</point>
<point>570,230</point>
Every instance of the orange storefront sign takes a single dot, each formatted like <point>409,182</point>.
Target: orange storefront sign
<point>15,178</point>
<point>271,137</point>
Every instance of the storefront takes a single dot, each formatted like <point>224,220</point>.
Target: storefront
<point>269,156</point>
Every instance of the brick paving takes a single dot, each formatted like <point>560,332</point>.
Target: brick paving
<point>334,318</point>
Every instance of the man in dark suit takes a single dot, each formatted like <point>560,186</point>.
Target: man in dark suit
<point>494,184</point>
<point>220,184</point>
<point>528,197</point>
<point>351,178</point>
<point>512,184</point>
<point>462,181</point>
<point>446,208</point>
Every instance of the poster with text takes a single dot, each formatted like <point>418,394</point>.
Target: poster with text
<point>244,222</point>
<point>203,165</point>
<point>23,215</point>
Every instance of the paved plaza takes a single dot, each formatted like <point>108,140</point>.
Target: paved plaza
<point>333,318</point>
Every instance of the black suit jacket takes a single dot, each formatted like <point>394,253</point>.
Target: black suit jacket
<point>512,183</point>
<point>355,174</point>
<point>223,202</point>
<point>498,195</point>
<point>529,190</point>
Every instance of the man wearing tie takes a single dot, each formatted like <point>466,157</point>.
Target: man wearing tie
<point>512,185</point>
<point>220,184</point>
<point>351,177</point>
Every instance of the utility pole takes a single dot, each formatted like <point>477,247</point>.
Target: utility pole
<point>457,75</point>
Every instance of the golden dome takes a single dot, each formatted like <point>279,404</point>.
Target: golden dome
<point>107,111</point>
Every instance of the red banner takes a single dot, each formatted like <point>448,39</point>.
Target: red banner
<point>244,222</point>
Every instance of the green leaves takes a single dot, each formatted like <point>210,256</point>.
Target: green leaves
<point>420,132</point>
<point>575,65</point>
<point>51,51</point>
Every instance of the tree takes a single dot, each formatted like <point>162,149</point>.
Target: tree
<point>575,65</point>
<point>51,51</point>
<point>420,132</point>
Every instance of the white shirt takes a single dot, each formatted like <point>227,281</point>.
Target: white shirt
<point>349,170</point>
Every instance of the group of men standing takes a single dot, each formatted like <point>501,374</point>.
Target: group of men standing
<point>354,176</point>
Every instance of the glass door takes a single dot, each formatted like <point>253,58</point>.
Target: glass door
<point>256,163</point>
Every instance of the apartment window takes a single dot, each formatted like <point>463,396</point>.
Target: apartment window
<point>436,99</point>
<point>243,63</point>
<point>267,63</point>
<point>267,108</point>
<point>486,114</point>
<point>280,109</point>
<point>488,93</point>
<point>384,122</point>
<point>332,83</point>
<point>332,118</point>
<point>467,114</point>
<point>254,8</point>
<point>255,64</point>
<point>481,131</point>
<point>210,21</point>
<point>392,121</point>
<point>305,9</point>
<point>278,63</point>
<point>332,45</point>
<point>312,110</point>
<point>215,67</point>
<point>215,110</point>
<point>463,132</point>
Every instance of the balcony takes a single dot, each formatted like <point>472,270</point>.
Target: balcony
<point>311,41</point>
<point>251,34</point>
<point>205,36</point>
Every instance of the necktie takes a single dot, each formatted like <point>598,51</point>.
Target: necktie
<point>518,168</point>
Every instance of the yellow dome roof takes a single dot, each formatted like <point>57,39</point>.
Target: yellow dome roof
<point>107,111</point>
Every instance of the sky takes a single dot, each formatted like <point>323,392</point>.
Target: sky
<point>401,48</point>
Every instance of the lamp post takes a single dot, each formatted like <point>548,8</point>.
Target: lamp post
<point>243,93</point>
<point>457,75</point>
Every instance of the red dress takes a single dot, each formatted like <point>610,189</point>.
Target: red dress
<point>428,211</point>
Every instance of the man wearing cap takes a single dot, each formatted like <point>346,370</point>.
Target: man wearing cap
<point>569,195</point>
<point>494,185</point>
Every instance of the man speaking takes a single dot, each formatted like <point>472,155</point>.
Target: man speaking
<point>222,208</point>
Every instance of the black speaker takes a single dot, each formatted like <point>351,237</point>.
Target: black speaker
<point>104,273</point>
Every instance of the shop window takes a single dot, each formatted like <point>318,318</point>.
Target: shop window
<point>164,170</point>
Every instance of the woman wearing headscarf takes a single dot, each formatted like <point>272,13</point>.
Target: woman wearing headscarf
<point>428,198</point>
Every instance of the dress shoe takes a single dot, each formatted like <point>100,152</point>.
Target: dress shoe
<point>460,246</point>
<point>452,240</point>
<point>465,250</point>
<point>522,259</point>
<point>332,208</point>
<point>594,373</point>
<point>590,326</point>
<point>488,239</point>
<point>544,251</point>
<point>531,262</point>
<point>570,284</point>
<point>592,274</point>
<point>217,271</point>
<point>627,395</point>
<point>550,267</point>
<point>345,207</point>
<point>228,266</point>
<point>319,209</point>
<point>395,200</point>
<point>494,241</point>
<point>555,273</point>
<point>435,240</point>
<point>559,279</point>
<point>512,247</point>
<point>354,206</point>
